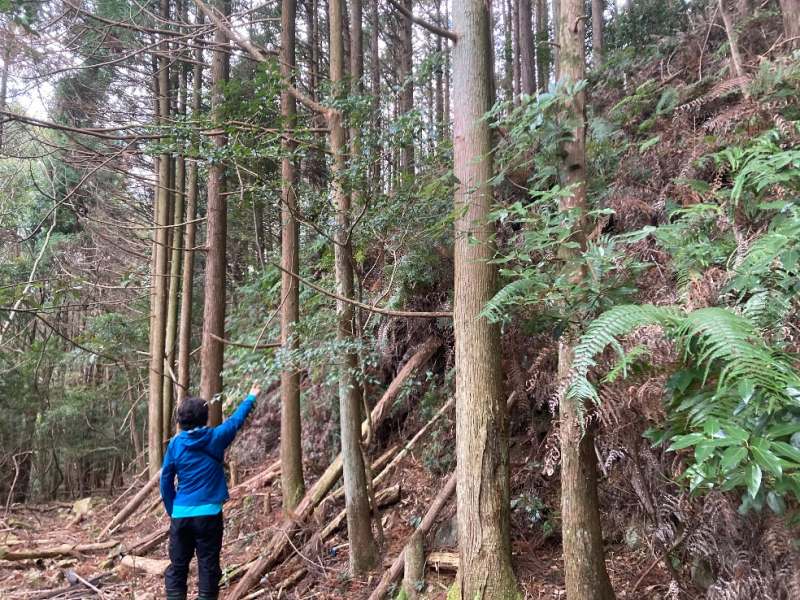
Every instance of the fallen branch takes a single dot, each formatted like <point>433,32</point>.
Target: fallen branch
<point>282,539</point>
<point>55,551</point>
<point>127,491</point>
<point>148,565</point>
<point>394,572</point>
<point>132,504</point>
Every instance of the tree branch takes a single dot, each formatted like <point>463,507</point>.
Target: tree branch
<point>440,31</point>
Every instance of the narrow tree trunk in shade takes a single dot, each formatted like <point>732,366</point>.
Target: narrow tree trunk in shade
<point>598,27</point>
<point>791,21</point>
<point>185,328</point>
<point>439,103</point>
<point>406,75</point>
<point>363,551</point>
<point>212,352</point>
<point>542,45</point>
<point>4,83</point>
<point>447,74</point>
<point>585,572</point>
<point>375,84</point>
<point>481,419</point>
<point>527,51</point>
<point>556,7</point>
<point>517,75</point>
<point>179,194</point>
<point>160,274</point>
<point>737,65</point>
<point>292,484</point>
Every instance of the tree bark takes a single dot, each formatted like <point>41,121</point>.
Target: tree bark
<point>363,551</point>
<point>212,352</point>
<point>556,5</point>
<point>481,418</point>
<point>375,84</point>
<point>185,330</point>
<point>584,561</point>
<point>291,449</point>
<point>4,83</point>
<point>406,76</point>
<point>439,75</point>
<point>527,50</point>
<point>542,45</point>
<point>160,274</point>
<point>516,50</point>
<point>733,40</point>
<point>791,21</point>
<point>598,26</point>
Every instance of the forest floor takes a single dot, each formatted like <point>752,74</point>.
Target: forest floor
<point>253,518</point>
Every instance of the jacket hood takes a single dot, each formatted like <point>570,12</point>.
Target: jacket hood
<point>199,437</point>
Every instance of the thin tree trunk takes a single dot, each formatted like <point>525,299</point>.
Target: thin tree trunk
<point>447,73</point>
<point>733,41</point>
<point>556,6</point>
<point>170,344</point>
<point>291,443</point>
<point>185,333</point>
<point>212,353</point>
<point>481,418</point>
<point>542,45</point>
<point>584,561</point>
<point>791,21</point>
<point>4,83</point>
<point>363,551</point>
<point>526,48</point>
<point>375,82</point>
<point>160,275</point>
<point>517,83</point>
<point>598,25</point>
<point>508,50</point>
<point>406,76</point>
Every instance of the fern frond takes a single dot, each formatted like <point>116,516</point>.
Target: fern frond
<point>519,291</point>
<point>605,331</point>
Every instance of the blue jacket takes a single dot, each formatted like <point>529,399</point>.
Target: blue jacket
<point>196,458</point>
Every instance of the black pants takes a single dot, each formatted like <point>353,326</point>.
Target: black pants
<point>187,536</point>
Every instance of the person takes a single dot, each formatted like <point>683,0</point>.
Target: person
<point>196,457</point>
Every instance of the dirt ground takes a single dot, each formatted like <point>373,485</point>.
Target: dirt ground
<point>252,519</point>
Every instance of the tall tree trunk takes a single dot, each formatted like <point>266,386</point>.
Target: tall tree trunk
<point>406,75</point>
<point>526,48</point>
<point>160,274</point>
<point>447,73</point>
<point>291,442</point>
<point>170,344</point>
<point>598,26</point>
<point>4,82</point>
<point>212,352</point>
<point>791,21</point>
<point>481,420</point>
<point>542,45</point>
<point>516,50</point>
<point>439,74</point>
<point>185,330</point>
<point>556,7</point>
<point>584,561</point>
<point>375,83</point>
<point>363,551</point>
<point>737,67</point>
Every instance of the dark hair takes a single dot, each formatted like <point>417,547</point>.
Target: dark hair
<point>192,412</point>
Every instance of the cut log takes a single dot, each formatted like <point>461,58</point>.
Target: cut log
<point>151,541</point>
<point>55,551</point>
<point>132,504</point>
<point>443,561</point>
<point>386,497</point>
<point>393,573</point>
<point>281,540</point>
<point>151,566</point>
<point>127,491</point>
<point>281,587</point>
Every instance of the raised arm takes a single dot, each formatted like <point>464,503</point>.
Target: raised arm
<point>226,432</point>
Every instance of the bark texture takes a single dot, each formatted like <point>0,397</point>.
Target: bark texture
<point>791,21</point>
<point>527,49</point>
<point>363,551</point>
<point>481,421</point>
<point>291,449</point>
<point>212,352</point>
<point>598,25</point>
<point>406,73</point>
<point>585,573</point>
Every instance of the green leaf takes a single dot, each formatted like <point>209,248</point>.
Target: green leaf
<point>776,503</point>
<point>684,441</point>
<point>732,457</point>
<point>765,458</point>
<point>786,450</point>
<point>753,479</point>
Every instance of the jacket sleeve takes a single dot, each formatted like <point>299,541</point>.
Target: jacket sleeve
<point>167,483</point>
<point>224,433</point>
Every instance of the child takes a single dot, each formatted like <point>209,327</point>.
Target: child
<point>195,455</point>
